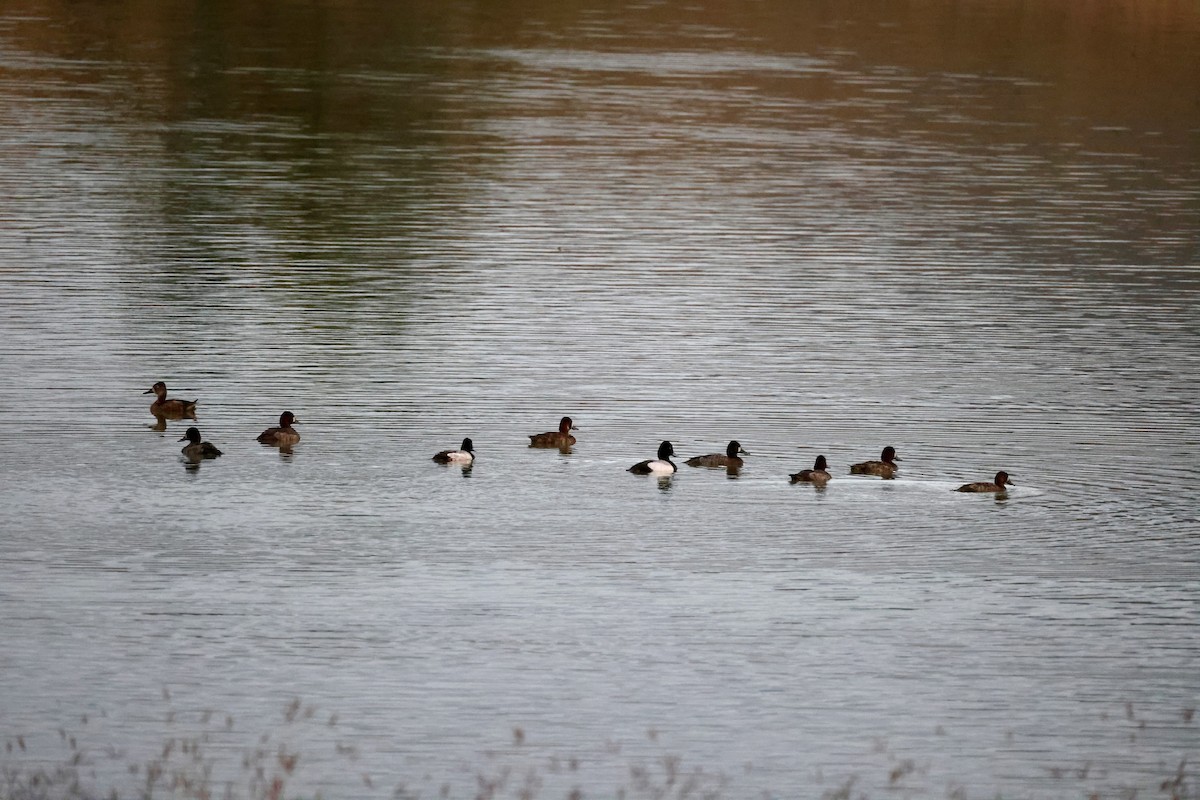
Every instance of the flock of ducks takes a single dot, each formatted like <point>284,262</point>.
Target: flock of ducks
<point>164,408</point>
<point>885,467</point>
<point>284,436</point>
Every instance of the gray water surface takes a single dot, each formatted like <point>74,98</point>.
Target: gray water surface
<point>970,231</point>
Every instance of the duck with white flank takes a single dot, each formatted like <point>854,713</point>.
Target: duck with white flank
<point>463,455</point>
<point>663,465</point>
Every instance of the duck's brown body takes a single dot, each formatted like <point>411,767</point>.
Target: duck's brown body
<point>559,438</point>
<point>170,408</point>
<point>884,468</point>
<point>727,460</point>
<point>284,435</point>
<point>1000,484</point>
<point>818,474</point>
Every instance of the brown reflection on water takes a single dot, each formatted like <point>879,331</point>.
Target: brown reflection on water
<point>1126,63</point>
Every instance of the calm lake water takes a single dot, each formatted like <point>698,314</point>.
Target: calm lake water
<point>970,230</point>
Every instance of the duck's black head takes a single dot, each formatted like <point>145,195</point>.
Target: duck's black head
<point>820,464</point>
<point>468,446</point>
<point>665,451</point>
<point>192,435</point>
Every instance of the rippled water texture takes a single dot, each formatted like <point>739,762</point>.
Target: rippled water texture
<point>968,230</point>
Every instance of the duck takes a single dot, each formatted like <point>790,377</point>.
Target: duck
<point>559,438</point>
<point>729,459</point>
<point>663,465</point>
<point>284,435</point>
<point>174,407</point>
<point>817,474</point>
<point>1000,484</point>
<point>196,449</point>
<point>463,455</point>
<point>885,468</point>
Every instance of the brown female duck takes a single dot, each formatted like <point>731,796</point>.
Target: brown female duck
<point>818,474</point>
<point>1000,484</point>
<point>284,435</point>
<point>559,438</point>
<point>885,468</point>
<point>173,408</point>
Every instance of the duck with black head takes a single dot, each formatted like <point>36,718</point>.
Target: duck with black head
<point>463,455</point>
<point>885,467</point>
<point>560,438</point>
<point>663,465</point>
<point>195,449</point>
<point>170,408</point>
<point>727,460</point>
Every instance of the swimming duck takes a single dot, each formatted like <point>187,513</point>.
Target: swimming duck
<point>729,459</point>
<point>284,435</point>
<point>663,465</point>
<point>162,407</point>
<point>817,474</point>
<point>463,455</point>
<point>196,449</point>
<point>885,468</point>
<point>559,438</point>
<point>1001,484</point>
